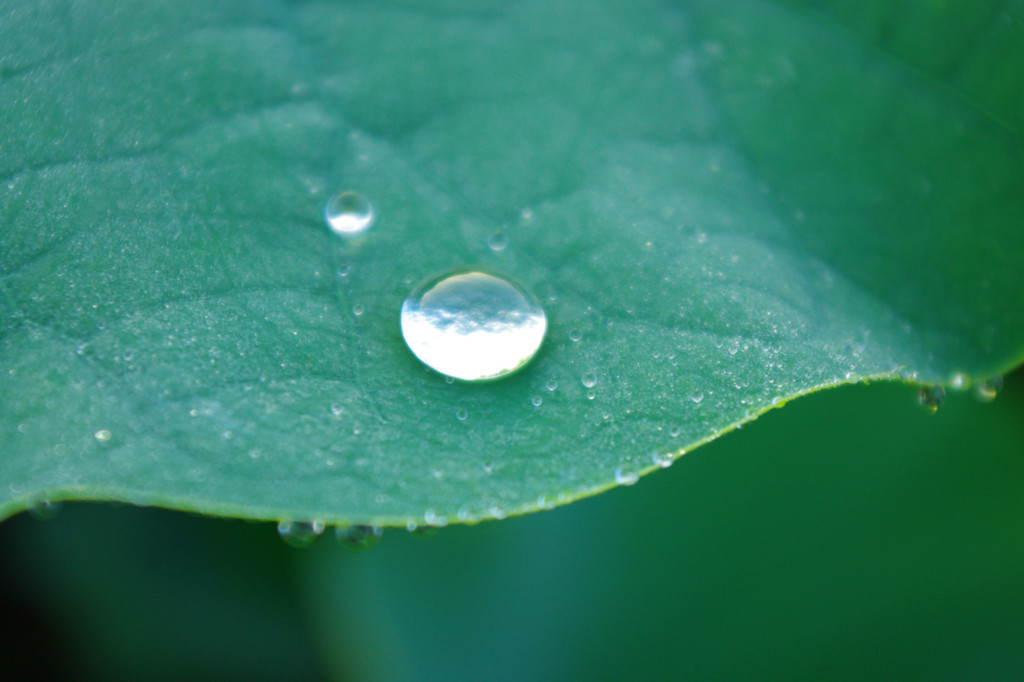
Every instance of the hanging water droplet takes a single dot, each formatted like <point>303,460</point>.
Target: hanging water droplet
<point>589,380</point>
<point>931,397</point>
<point>986,391</point>
<point>497,241</point>
<point>472,325</point>
<point>300,533</point>
<point>358,538</point>
<point>348,213</point>
<point>623,477</point>
<point>44,510</point>
<point>421,531</point>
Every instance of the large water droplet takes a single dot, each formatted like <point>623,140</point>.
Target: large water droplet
<point>472,325</point>
<point>300,533</point>
<point>931,397</point>
<point>358,538</point>
<point>348,213</point>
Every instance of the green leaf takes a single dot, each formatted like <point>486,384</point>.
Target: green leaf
<point>728,203</point>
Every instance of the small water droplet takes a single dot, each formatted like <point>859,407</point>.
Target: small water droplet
<point>497,241</point>
<point>623,477</point>
<point>358,309</point>
<point>551,385</point>
<point>697,396</point>
<point>358,538</point>
<point>349,213</point>
<point>591,395</point>
<point>589,380</point>
<point>472,325</point>
<point>537,401</point>
<point>461,414</point>
<point>663,459</point>
<point>674,431</point>
<point>575,335</point>
<point>931,397</point>
<point>432,518</point>
<point>103,435</point>
<point>986,391</point>
<point>44,510</point>
<point>421,531</point>
<point>337,409</point>
<point>300,533</point>
<point>344,270</point>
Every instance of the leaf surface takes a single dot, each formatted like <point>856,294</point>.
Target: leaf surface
<point>721,205</point>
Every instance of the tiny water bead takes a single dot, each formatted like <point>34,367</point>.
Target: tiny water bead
<point>497,241</point>
<point>623,477</point>
<point>348,213</point>
<point>472,325</point>
<point>931,397</point>
<point>589,380</point>
<point>300,533</point>
<point>358,538</point>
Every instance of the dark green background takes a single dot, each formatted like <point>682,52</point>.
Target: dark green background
<point>850,535</point>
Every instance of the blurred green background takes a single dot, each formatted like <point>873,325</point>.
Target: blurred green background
<point>850,535</point>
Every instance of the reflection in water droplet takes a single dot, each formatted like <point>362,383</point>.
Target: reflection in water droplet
<point>589,380</point>
<point>987,390</point>
<point>358,538</point>
<point>959,381</point>
<point>623,477</point>
<point>300,533</point>
<point>348,213</point>
<point>931,397</point>
<point>472,325</point>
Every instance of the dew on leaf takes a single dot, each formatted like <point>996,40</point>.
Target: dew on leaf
<point>589,380</point>
<point>300,533</point>
<point>472,325</point>
<point>623,477</point>
<point>497,242</point>
<point>44,510</point>
<point>931,397</point>
<point>103,435</point>
<point>358,538</point>
<point>348,213</point>
<point>987,390</point>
